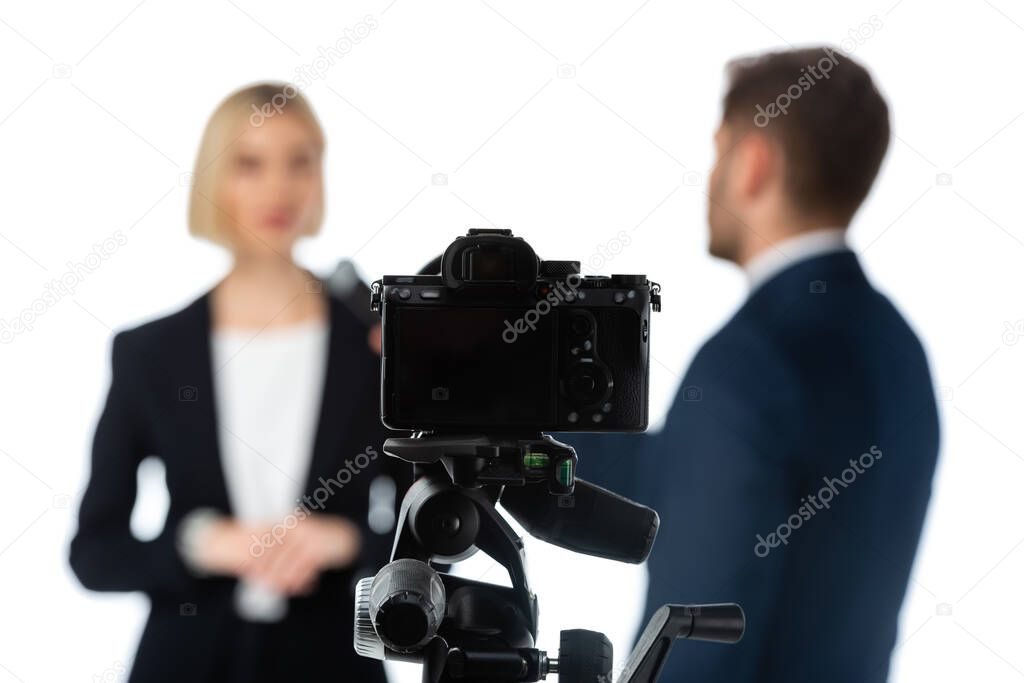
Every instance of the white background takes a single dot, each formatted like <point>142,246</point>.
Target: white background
<point>101,111</point>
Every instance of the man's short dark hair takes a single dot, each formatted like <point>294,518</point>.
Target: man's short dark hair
<point>825,112</point>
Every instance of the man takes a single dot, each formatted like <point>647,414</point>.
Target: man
<point>795,467</point>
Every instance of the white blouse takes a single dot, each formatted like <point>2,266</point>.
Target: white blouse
<point>268,389</point>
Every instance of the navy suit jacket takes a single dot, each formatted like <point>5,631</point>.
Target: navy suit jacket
<point>759,500</point>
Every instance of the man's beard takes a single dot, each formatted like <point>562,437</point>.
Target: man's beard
<point>723,229</point>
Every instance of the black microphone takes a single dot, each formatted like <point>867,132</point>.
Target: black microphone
<point>592,520</point>
<point>346,284</point>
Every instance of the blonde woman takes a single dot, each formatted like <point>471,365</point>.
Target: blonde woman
<point>261,399</point>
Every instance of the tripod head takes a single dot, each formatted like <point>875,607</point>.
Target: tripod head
<point>468,630</point>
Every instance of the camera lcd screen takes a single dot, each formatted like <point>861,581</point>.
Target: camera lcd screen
<point>467,365</point>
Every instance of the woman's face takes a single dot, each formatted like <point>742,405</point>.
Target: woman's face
<point>273,185</point>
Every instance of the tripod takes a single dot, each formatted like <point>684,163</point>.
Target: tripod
<point>465,630</point>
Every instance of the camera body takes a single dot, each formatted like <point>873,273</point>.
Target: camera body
<point>503,342</point>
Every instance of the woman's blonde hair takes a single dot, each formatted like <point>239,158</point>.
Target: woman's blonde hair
<point>248,107</point>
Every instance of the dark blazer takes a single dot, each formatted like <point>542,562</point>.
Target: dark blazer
<point>161,403</point>
<point>817,368</point>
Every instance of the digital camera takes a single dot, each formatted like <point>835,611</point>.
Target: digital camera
<point>502,342</point>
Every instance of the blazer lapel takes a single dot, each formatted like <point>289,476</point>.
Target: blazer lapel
<point>344,374</point>
<point>206,463</point>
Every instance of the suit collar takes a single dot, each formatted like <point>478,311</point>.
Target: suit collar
<point>787,253</point>
<point>819,276</point>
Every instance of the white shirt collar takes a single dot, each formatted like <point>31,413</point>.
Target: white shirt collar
<point>792,250</point>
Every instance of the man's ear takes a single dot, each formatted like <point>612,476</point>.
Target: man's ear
<point>758,165</point>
